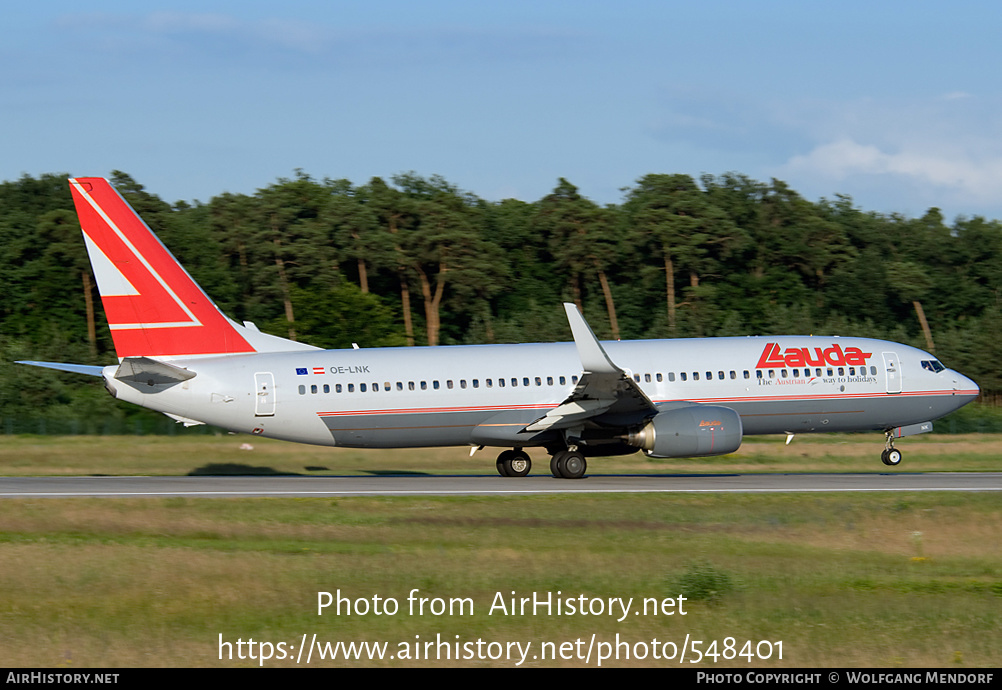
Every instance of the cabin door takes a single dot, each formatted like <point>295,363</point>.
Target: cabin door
<point>264,399</point>
<point>892,370</point>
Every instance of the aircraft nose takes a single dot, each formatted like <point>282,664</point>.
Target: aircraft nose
<point>965,386</point>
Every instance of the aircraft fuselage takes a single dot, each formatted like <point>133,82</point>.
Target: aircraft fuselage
<point>488,394</point>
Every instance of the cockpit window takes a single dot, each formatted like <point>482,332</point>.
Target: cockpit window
<point>932,365</point>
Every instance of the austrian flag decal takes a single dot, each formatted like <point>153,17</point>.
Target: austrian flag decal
<point>834,356</point>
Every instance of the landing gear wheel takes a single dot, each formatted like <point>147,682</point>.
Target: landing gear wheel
<point>568,464</point>
<point>513,463</point>
<point>520,464</point>
<point>891,457</point>
<point>504,462</point>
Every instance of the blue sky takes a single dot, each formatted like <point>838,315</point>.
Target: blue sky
<point>894,103</point>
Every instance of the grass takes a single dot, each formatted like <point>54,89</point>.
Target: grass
<point>867,580</point>
<point>229,454</point>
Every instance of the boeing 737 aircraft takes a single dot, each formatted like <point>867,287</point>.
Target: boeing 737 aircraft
<point>180,355</point>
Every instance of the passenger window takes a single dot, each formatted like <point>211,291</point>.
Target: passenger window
<point>683,375</point>
<point>462,383</point>
<point>490,383</point>
<point>327,388</point>
<point>562,379</point>
<point>434,384</point>
<point>337,387</point>
<point>361,388</point>
<point>302,390</point>
<point>720,375</point>
<point>448,384</point>
<point>410,385</point>
<point>549,380</point>
<point>424,385</point>
<point>351,387</point>
<point>501,382</point>
<point>747,374</point>
<point>695,376</point>
<point>400,385</point>
<point>476,383</point>
<point>660,378</point>
<point>539,381</point>
<point>525,381</point>
<point>574,380</point>
<point>671,376</point>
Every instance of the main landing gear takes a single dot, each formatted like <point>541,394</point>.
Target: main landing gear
<point>564,464</point>
<point>568,464</point>
<point>891,455</point>
<point>514,463</point>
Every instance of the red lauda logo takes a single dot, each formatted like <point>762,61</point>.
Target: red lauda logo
<point>802,357</point>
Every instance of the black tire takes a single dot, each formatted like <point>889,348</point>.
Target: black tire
<point>555,464</point>
<point>504,463</point>
<point>572,465</point>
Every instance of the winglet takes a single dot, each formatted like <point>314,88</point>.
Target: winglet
<point>592,354</point>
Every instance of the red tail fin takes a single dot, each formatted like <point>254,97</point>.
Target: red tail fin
<point>153,306</point>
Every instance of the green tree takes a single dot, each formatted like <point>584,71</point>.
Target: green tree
<point>670,214</point>
<point>582,242</point>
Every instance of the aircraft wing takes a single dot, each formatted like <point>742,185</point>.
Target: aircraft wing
<point>604,392</point>
<point>74,368</point>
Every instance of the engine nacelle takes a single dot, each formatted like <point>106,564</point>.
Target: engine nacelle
<point>690,430</point>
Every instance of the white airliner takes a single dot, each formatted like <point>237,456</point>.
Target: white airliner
<point>178,354</point>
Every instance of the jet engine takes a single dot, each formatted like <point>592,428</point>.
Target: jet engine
<point>689,430</point>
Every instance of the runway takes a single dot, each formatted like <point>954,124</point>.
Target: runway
<point>469,485</point>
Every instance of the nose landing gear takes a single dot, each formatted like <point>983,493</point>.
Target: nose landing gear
<point>891,455</point>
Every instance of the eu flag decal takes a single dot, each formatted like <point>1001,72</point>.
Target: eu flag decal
<point>301,371</point>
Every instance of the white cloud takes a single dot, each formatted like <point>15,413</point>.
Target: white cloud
<point>962,173</point>
<point>947,148</point>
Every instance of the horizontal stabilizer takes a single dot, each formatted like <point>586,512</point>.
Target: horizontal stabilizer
<point>143,373</point>
<point>73,368</point>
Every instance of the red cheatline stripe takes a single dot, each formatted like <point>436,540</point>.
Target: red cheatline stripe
<point>495,408</point>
